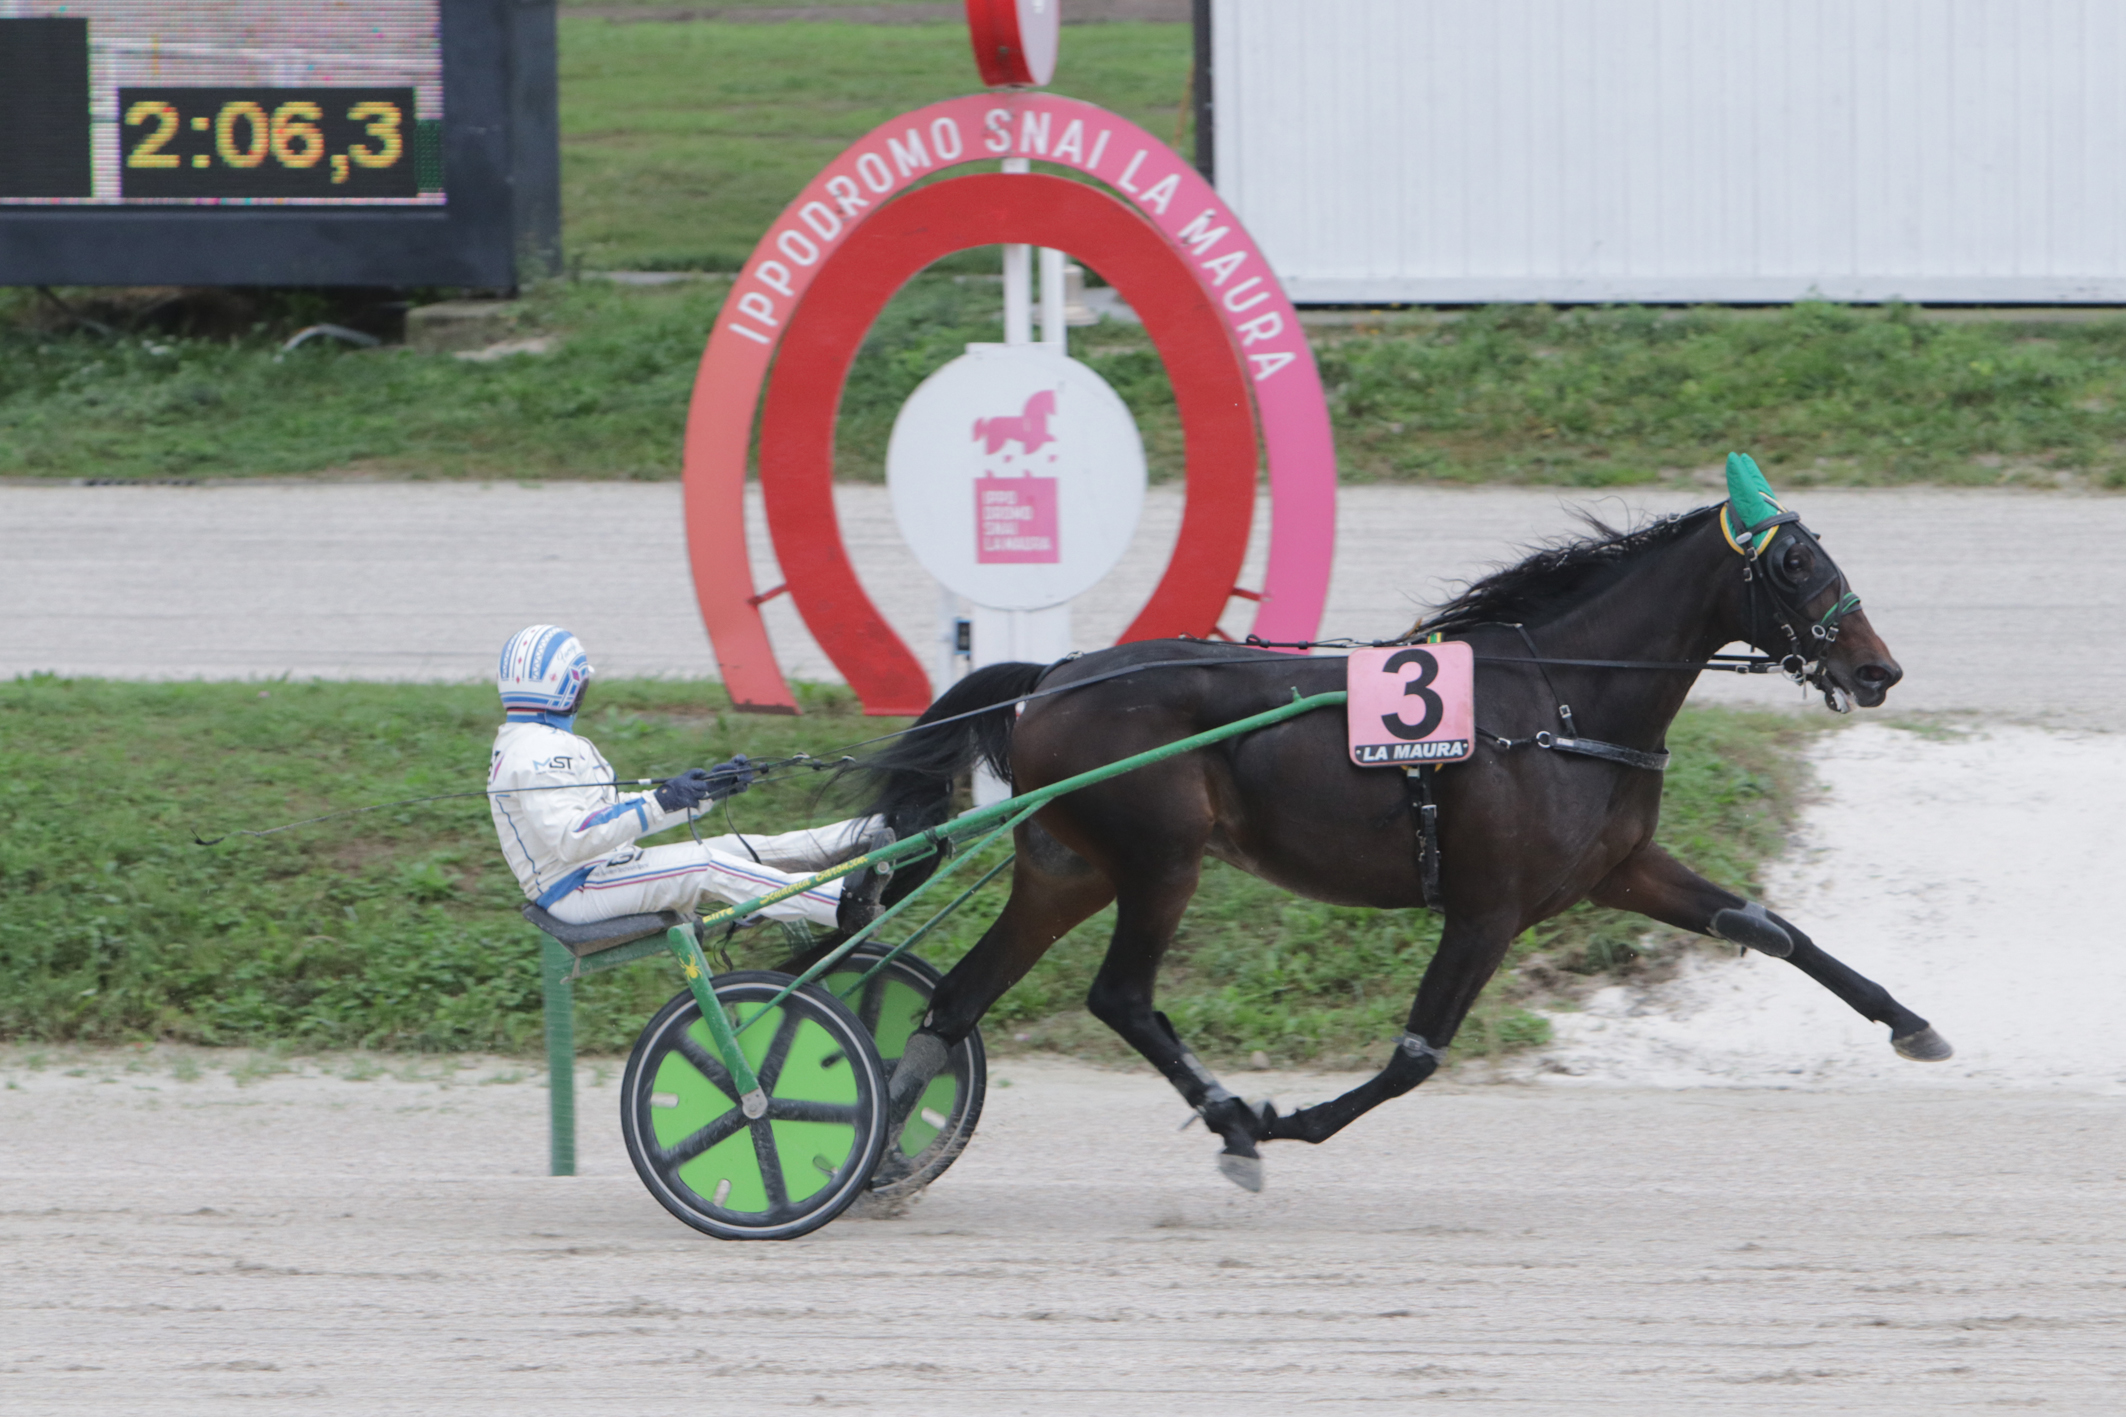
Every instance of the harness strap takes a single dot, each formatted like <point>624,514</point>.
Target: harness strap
<point>1417,781</point>
<point>1580,747</point>
<point>1608,752</point>
<point>1570,740</point>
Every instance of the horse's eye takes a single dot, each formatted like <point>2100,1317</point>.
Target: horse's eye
<point>1797,561</point>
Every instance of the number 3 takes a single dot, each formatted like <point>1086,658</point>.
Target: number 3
<point>1427,671</point>
<point>383,121</point>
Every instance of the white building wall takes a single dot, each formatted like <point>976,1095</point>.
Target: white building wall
<point>1448,151</point>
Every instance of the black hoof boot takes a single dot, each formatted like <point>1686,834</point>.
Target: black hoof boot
<point>1752,928</point>
<point>1241,1126</point>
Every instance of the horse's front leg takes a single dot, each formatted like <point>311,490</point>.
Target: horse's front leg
<point>1052,890</point>
<point>1148,910</point>
<point>1655,884</point>
<point>1469,954</point>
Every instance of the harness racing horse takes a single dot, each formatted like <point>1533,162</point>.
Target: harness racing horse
<point>1528,827</point>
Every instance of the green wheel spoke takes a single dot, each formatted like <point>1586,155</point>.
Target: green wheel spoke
<point>770,1162</point>
<point>789,1109</point>
<point>695,1143</point>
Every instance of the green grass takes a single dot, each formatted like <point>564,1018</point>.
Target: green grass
<point>399,930</point>
<point>1821,394</point>
<point>1829,394</point>
<point>682,142</point>
<point>609,403</point>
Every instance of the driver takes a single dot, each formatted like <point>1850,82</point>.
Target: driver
<point>573,848</point>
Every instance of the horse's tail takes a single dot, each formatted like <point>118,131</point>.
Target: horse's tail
<point>915,773</point>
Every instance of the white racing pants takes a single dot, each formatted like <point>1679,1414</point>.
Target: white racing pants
<point>676,877</point>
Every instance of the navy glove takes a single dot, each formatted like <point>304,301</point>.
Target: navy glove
<point>728,779</point>
<point>684,792</point>
<point>696,785</point>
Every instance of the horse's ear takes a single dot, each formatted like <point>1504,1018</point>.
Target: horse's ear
<point>1748,493</point>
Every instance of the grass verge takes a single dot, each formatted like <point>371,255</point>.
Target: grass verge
<point>398,929</point>
<point>1824,395</point>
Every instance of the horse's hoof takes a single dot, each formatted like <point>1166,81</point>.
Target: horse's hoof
<point>892,1171</point>
<point>884,1205</point>
<point>1243,1171</point>
<point>1925,1046</point>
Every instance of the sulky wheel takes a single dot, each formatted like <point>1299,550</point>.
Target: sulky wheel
<point>891,1004</point>
<point>788,1172</point>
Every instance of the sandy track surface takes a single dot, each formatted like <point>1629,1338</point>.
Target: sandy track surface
<point>1877,1236</point>
<point>309,1244</point>
<point>1973,874</point>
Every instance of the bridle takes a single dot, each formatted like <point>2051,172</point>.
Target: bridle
<point>1772,593</point>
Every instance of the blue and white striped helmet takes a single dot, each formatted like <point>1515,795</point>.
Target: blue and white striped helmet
<point>543,670</point>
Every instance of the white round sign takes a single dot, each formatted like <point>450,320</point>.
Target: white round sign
<point>1017,476</point>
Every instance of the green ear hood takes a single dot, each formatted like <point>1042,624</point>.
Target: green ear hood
<point>1748,493</point>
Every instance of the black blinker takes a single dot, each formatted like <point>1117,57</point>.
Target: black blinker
<point>1821,576</point>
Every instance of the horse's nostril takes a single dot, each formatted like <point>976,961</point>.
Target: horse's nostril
<point>1872,675</point>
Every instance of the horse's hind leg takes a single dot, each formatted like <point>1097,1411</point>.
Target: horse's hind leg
<point>1052,891</point>
<point>1148,911</point>
<point>1656,885</point>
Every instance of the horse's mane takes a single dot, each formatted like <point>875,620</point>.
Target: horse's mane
<point>1558,573</point>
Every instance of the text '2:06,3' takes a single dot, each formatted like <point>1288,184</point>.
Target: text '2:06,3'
<point>267,142</point>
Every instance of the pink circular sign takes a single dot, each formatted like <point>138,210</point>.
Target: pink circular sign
<point>1207,240</point>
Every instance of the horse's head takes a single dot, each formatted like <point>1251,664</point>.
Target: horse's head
<point>1796,604</point>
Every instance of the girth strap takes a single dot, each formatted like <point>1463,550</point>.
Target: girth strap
<point>1417,782</point>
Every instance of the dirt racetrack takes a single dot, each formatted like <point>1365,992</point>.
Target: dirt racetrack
<point>1640,1225</point>
<point>306,1243</point>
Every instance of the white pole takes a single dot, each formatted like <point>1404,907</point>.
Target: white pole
<point>948,639</point>
<point>1040,635</point>
<point>1018,281</point>
<point>1054,334</point>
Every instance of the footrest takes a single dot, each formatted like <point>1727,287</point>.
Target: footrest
<point>590,938</point>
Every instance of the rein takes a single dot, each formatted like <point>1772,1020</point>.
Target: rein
<point>1723,663</point>
<point>1754,543</point>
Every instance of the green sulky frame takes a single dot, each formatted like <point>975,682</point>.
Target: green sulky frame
<point>684,942</point>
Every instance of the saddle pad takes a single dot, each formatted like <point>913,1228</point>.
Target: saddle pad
<point>1412,704</point>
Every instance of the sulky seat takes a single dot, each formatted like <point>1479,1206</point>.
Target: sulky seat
<point>597,935</point>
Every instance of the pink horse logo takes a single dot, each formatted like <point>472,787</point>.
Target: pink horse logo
<point>1029,428</point>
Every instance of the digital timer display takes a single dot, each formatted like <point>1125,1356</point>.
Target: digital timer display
<point>210,102</point>
<point>267,143</point>
<point>384,143</point>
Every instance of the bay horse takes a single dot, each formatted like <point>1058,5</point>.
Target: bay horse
<point>1523,833</point>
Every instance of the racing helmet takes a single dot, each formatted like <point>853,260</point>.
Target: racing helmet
<point>543,670</point>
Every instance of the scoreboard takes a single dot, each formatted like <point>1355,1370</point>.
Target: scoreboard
<point>277,142</point>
